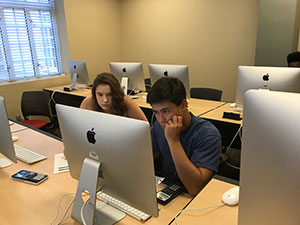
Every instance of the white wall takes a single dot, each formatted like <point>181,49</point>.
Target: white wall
<point>211,37</point>
<point>278,31</point>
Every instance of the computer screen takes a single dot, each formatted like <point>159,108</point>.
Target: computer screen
<point>269,78</point>
<point>270,156</point>
<point>121,144</point>
<point>179,71</point>
<point>6,146</point>
<point>78,73</point>
<point>132,70</point>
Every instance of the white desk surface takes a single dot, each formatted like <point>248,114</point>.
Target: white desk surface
<point>217,114</point>
<point>211,195</point>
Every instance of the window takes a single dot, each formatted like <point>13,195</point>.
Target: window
<point>29,44</point>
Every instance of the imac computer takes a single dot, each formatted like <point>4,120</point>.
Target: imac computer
<point>179,71</point>
<point>268,78</point>
<point>6,147</point>
<point>112,153</point>
<point>78,73</point>
<point>130,76</point>
<point>270,156</point>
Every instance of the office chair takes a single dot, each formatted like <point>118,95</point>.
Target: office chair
<point>206,93</point>
<point>36,103</point>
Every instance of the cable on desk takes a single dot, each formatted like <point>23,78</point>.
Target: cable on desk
<point>84,204</point>
<point>207,207</point>
<point>67,209</point>
<point>81,212</point>
<point>52,96</point>
<point>227,149</point>
<point>132,90</point>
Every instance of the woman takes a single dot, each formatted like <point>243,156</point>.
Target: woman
<point>108,97</point>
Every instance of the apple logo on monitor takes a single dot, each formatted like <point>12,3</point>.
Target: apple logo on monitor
<point>266,77</point>
<point>124,70</point>
<point>91,136</point>
<point>166,73</point>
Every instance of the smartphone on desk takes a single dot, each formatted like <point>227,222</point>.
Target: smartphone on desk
<point>29,177</point>
<point>168,193</point>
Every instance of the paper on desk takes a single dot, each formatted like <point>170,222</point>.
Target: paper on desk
<point>60,163</point>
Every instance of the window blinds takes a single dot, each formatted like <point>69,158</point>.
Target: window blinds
<point>28,39</point>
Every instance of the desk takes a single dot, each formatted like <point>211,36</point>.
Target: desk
<point>15,127</point>
<point>217,114</point>
<point>23,203</point>
<point>209,196</point>
<point>79,92</point>
<point>196,106</point>
<point>201,106</point>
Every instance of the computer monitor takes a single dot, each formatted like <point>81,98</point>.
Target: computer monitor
<point>123,147</point>
<point>270,156</point>
<point>269,78</point>
<point>78,73</point>
<point>6,147</point>
<point>131,70</point>
<point>181,72</point>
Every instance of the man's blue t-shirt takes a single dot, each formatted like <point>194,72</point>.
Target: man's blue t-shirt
<point>201,142</point>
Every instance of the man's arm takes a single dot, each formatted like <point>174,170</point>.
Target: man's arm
<point>193,178</point>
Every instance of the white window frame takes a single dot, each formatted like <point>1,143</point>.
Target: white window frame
<point>7,61</point>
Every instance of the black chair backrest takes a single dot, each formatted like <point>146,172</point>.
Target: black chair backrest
<point>35,103</point>
<point>206,93</point>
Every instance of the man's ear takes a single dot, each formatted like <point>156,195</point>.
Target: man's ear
<point>184,104</point>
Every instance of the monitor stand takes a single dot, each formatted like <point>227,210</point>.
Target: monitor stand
<point>74,80</point>
<point>4,162</point>
<point>124,84</point>
<point>91,212</point>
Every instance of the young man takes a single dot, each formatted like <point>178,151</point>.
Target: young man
<point>188,146</point>
<point>293,59</point>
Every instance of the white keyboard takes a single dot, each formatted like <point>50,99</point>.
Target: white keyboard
<point>133,96</point>
<point>122,206</point>
<point>28,156</point>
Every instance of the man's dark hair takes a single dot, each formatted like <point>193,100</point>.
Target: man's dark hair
<point>293,57</point>
<point>167,89</point>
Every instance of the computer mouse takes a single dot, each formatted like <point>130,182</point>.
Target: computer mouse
<point>231,197</point>
<point>238,109</point>
<point>232,105</point>
<point>14,138</point>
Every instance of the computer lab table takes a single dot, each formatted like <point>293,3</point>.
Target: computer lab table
<point>81,91</point>
<point>217,114</point>
<point>23,203</point>
<point>196,106</point>
<point>207,209</point>
<point>16,127</point>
